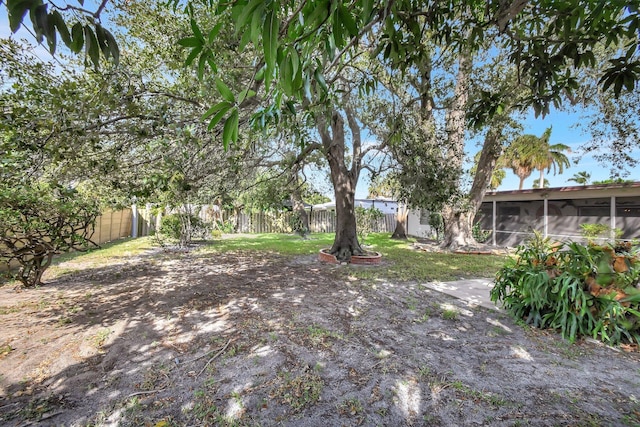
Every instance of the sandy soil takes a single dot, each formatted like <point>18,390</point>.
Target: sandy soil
<point>184,339</point>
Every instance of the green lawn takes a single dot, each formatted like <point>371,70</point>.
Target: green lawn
<point>400,261</point>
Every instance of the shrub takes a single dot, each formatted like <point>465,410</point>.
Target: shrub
<point>578,289</point>
<point>184,227</point>
<point>437,223</point>
<point>38,221</point>
<point>366,220</point>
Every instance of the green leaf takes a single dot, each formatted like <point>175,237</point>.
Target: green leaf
<point>92,50</point>
<point>77,34</point>
<point>58,21</point>
<point>246,12</point>
<point>219,106</point>
<point>190,42</point>
<point>202,62</point>
<point>193,55</point>
<point>230,129</point>
<point>338,36</point>
<point>219,115</point>
<point>17,10</point>
<point>286,79</point>
<point>270,40</point>
<point>367,8</point>
<point>320,79</point>
<point>40,21</point>
<point>102,41</point>
<point>196,30</point>
<point>225,91</point>
<point>256,25</point>
<point>247,93</point>
<point>244,40</point>
<point>113,46</point>
<point>214,32</point>
<point>347,20</point>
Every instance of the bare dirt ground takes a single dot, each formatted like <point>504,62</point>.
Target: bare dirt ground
<point>185,339</point>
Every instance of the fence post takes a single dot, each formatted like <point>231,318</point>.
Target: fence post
<point>134,221</point>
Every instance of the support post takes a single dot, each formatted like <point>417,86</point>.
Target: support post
<point>613,219</point>
<point>134,221</point>
<point>493,222</point>
<point>546,217</point>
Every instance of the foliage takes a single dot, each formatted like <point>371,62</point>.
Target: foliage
<point>367,219</point>
<point>184,227</point>
<point>527,153</point>
<point>614,181</point>
<point>581,177</point>
<point>437,223</point>
<point>536,183</point>
<point>48,24</point>
<point>479,234</point>
<point>581,290</point>
<point>38,221</point>
<point>593,232</point>
<point>297,224</point>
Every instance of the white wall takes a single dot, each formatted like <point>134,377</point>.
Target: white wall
<point>414,228</point>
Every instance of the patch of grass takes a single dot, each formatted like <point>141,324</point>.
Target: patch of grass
<point>283,244</point>
<point>401,262</point>
<point>318,334</point>
<point>450,314</point>
<point>100,337</point>
<point>350,407</point>
<point>405,263</point>
<point>94,257</point>
<point>298,392</point>
<point>490,398</point>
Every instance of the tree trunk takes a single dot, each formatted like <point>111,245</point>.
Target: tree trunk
<point>458,224</point>
<point>344,181</point>
<point>302,223</point>
<point>458,228</point>
<point>346,241</point>
<point>521,183</point>
<point>400,231</point>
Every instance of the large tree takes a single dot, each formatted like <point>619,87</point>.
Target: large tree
<point>299,44</point>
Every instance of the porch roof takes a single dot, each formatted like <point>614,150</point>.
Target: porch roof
<point>627,189</point>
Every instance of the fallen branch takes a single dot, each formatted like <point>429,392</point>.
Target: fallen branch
<point>214,357</point>
<point>44,417</point>
<point>140,393</point>
<point>202,355</point>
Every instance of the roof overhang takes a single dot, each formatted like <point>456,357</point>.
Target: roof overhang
<point>629,189</point>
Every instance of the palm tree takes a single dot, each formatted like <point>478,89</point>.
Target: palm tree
<point>517,157</point>
<point>581,178</point>
<point>536,183</point>
<point>527,153</point>
<point>547,156</point>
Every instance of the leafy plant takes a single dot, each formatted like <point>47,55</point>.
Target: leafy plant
<point>578,289</point>
<point>366,219</point>
<point>593,232</point>
<point>479,234</point>
<point>183,227</point>
<point>38,221</point>
<point>437,223</point>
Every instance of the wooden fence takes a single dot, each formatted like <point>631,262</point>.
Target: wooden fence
<point>319,222</point>
<point>111,226</point>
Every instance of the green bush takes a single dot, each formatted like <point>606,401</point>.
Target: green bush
<point>184,227</point>
<point>581,290</point>
<point>366,220</point>
<point>38,221</point>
